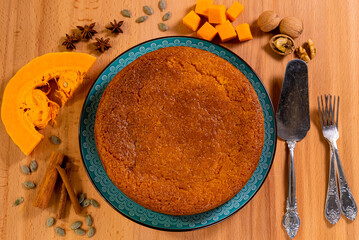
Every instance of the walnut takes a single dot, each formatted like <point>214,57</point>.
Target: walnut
<point>268,21</point>
<point>291,26</point>
<point>282,44</point>
<point>302,54</point>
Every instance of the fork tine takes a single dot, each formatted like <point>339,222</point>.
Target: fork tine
<point>324,120</point>
<point>326,112</point>
<point>320,113</point>
<point>337,112</point>
<point>330,114</point>
<point>333,110</point>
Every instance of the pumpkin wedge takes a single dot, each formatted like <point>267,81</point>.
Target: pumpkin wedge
<point>33,97</point>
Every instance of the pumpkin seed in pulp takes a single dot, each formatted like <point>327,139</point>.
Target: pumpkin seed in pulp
<point>85,203</point>
<point>82,197</point>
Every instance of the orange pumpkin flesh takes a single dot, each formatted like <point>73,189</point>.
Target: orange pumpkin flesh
<point>35,94</point>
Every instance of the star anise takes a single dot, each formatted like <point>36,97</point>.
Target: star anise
<point>115,27</point>
<point>102,45</point>
<point>87,31</point>
<point>70,41</point>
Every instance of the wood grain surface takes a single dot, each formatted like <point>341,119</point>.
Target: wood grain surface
<point>31,28</point>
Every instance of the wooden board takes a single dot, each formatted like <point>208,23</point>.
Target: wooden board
<point>32,28</point>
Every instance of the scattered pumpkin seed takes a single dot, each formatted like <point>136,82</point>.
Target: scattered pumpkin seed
<point>163,27</point>
<point>94,203</point>
<point>162,5</point>
<point>91,232</point>
<point>80,231</point>
<point>89,220</point>
<point>25,169</point>
<point>76,225</point>
<point>85,203</point>
<point>82,197</point>
<point>141,19</point>
<point>29,185</point>
<point>50,221</point>
<point>148,10</point>
<point>18,201</point>
<point>60,231</point>
<point>55,140</point>
<point>65,84</point>
<point>167,16</point>
<point>33,166</point>
<point>126,13</point>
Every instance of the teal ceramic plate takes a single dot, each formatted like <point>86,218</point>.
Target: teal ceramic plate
<point>126,206</point>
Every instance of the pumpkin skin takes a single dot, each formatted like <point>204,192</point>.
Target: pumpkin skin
<point>33,97</point>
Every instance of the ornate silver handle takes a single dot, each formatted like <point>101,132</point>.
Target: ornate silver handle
<point>332,204</point>
<point>348,205</point>
<point>291,219</point>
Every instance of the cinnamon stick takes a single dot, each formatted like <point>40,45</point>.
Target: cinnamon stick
<point>74,201</point>
<point>47,185</point>
<point>63,194</point>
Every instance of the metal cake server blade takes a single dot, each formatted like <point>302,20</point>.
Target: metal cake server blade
<point>293,123</point>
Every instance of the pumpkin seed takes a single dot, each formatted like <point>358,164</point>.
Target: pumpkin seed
<point>89,220</point>
<point>85,203</point>
<point>126,13</point>
<point>76,225</point>
<point>82,197</point>
<point>18,201</point>
<point>94,203</point>
<point>91,232</point>
<point>29,185</point>
<point>163,27</point>
<point>167,16</point>
<point>60,231</point>
<point>162,5</point>
<point>141,19</point>
<point>33,166</point>
<point>147,10</point>
<point>65,84</point>
<point>55,140</point>
<point>50,221</point>
<point>25,169</point>
<point>80,231</point>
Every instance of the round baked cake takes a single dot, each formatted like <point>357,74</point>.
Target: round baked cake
<point>179,130</point>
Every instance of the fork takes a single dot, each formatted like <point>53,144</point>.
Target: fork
<point>329,121</point>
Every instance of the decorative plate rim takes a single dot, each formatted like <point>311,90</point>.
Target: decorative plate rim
<point>190,228</point>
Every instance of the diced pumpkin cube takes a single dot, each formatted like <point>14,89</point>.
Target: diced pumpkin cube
<point>226,31</point>
<point>217,14</point>
<point>207,31</point>
<point>244,32</point>
<point>191,20</point>
<point>202,7</point>
<point>234,11</point>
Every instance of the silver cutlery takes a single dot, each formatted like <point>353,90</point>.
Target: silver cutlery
<point>328,115</point>
<point>293,123</point>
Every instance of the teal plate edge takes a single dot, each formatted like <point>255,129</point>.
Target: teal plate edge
<point>118,200</point>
